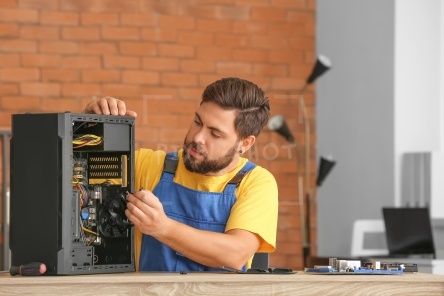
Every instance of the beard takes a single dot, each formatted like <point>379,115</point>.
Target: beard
<point>206,165</point>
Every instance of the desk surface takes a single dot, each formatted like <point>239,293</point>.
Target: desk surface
<point>223,284</point>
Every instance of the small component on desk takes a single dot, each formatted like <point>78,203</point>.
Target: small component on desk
<point>337,266</point>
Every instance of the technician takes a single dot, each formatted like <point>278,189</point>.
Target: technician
<point>204,206</point>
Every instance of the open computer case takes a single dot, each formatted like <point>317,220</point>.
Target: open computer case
<point>70,174</point>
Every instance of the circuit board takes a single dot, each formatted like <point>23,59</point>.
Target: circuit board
<point>356,267</point>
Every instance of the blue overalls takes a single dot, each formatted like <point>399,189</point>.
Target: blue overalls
<point>198,209</point>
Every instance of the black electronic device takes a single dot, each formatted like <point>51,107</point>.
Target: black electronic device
<point>409,232</point>
<point>70,174</point>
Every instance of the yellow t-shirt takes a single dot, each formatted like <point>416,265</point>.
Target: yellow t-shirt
<point>256,206</point>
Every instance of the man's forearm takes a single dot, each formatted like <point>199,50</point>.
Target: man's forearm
<point>209,248</point>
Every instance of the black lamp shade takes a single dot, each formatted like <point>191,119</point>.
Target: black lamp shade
<point>277,123</point>
<point>325,166</point>
<point>322,65</point>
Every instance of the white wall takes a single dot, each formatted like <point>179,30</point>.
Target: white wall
<point>417,81</point>
<point>380,100</point>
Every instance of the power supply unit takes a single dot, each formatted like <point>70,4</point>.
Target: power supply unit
<point>70,174</point>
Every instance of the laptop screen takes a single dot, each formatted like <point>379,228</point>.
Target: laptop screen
<point>409,232</point>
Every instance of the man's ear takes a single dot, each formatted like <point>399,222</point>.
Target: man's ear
<point>246,143</point>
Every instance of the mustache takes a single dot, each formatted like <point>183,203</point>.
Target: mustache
<point>195,146</point>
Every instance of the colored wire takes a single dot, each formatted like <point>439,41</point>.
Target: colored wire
<point>86,140</point>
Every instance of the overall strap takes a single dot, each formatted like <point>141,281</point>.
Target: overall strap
<point>170,166</point>
<point>235,181</point>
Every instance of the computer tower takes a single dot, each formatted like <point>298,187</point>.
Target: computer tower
<point>69,177</point>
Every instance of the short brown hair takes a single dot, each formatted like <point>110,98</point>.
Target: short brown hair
<point>253,108</point>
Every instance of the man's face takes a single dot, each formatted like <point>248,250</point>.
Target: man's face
<point>211,144</point>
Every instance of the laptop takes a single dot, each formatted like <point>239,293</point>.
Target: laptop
<point>409,232</point>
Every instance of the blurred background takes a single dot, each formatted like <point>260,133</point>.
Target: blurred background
<point>377,111</point>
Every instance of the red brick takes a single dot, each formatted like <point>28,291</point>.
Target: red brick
<point>270,69</point>
<point>60,105</point>
<point>81,89</point>
<point>195,38</point>
<point>19,74</point>
<point>159,34</point>
<point>197,66</point>
<point>59,18</point>
<point>177,22</point>
<point>286,30</point>
<point>163,64</point>
<point>62,47</point>
<point>191,93</point>
<point>81,62</point>
<point>173,106</point>
<point>179,79</point>
<point>230,40</point>
<point>250,54</point>
<point>121,62</point>
<point>121,33</point>
<point>9,89</point>
<point>100,5</point>
<point>140,77</point>
<point>17,45</point>
<point>20,103</point>
<point>176,50</point>
<point>300,16</point>
<point>8,3</point>
<point>83,33</point>
<point>121,90</point>
<point>99,18</point>
<point>268,14</point>
<point>253,3</point>
<point>97,48</point>
<point>268,42</point>
<point>287,83</point>
<point>138,48</point>
<point>213,53</point>
<point>163,120</point>
<point>60,75</point>
<point>40,60</point>
<point>19,15</point>
<point>39,4</point>
<point>39,32</point>
<point>302,42</point>
<point>9,60</point>
<point>234,68</point>
<point>289,3</point>
<point>8,30</point>
<point>285,56</point>
<point>155,92</point>
<point>93,75</point>
<point>228,12</point>
<point>40,89</point>
<point>311,5</point>
<point>204,25</point>
<point>172,135</point>
<point>250,27</point>
<point>137,19</point>
<point>5,119</point>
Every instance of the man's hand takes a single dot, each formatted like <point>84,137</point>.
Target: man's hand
<point>146,212</point>
<point>108,106</point>
<point>209,248</point>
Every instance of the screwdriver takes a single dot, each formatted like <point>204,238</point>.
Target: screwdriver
<point>29,269</point>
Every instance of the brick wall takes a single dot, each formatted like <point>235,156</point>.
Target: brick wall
<point>56,55</point>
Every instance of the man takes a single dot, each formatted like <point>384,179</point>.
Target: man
<point>205,206</point>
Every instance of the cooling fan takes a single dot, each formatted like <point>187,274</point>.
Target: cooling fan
<point>112,220</point>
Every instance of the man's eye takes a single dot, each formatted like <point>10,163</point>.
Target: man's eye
<point>215,136</point>
<point>197,122</point>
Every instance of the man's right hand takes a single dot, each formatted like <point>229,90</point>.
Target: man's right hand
<point>108,106</point>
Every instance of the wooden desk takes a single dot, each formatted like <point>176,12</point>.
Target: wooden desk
<point>223,284</point>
